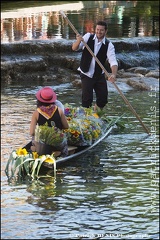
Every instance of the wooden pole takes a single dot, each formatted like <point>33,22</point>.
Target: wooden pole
<point>105,71</point>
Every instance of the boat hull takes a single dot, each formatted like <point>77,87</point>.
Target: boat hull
<point>80,150</point>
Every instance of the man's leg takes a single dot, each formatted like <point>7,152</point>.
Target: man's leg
<point>101,91</point>
<point>87,90</point>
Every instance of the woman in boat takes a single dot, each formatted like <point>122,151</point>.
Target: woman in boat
<point>47,111</point>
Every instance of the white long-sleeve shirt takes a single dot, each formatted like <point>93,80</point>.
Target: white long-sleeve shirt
<point>111,57</point>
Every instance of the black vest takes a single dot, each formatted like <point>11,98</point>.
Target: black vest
<point>55,120</point>
<point>87,57</point>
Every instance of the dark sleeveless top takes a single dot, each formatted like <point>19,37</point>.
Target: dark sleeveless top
<point>87,57</point>
<point>55,120</point>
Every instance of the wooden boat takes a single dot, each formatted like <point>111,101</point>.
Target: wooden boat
<point>79,150</point>
<point>26,161</point>
<point>76,151</point>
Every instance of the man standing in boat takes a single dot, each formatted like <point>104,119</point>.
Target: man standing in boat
<point>92,76</point>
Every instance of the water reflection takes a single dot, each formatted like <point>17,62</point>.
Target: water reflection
<point>125,19</point>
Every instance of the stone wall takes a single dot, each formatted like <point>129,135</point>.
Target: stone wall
<point>37,61</point>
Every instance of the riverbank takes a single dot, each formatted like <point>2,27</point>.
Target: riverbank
<point>54,62</point>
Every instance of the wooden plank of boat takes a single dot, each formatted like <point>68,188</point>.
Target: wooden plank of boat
<point>78,153</point>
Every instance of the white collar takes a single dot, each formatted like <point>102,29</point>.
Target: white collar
<point>103,40</point>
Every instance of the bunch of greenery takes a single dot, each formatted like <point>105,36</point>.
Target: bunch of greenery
<point>23,163</point>
<point>49,135</point>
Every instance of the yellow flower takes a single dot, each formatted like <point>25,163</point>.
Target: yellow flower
<point>47,158</point>
<point>95,115</point>
<point>35,155</point>
<point>96,134</point>
<point>21,152</point>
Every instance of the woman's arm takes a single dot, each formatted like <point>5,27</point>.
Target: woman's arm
<point>33,122</point>
<point>63,119</point>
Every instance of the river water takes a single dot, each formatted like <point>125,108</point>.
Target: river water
<point>30,20</point>
<point>109,193</point>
